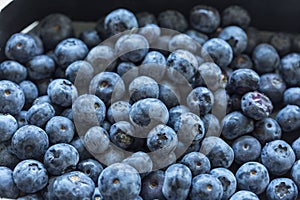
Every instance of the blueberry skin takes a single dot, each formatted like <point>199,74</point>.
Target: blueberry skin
<point>40,67</point>
<point>289,69</point>
<point>119,181</point>
<point>242,81</point>
<point>30,176</point>
<point>288,118</point>
<point>265,58</point>
<point>168,94</point>
<point>73,185</point>
<point>8,126</point>
<point>70,50</point>
<point>12,71</point>
<point>7,156</point>
<point>90,38</point>
<point>30,197</point>
<point>145,18</point>
<point>153,65</point>
<point>68,113</point>
<point>21,118</point>
<point>30,91</point>
<point>172,19</point>
<point>267,130</point>
<point>152,185</point>
<point>125,67</point>
<point>61,158</point>
<point>141,161</point>
<point>252,176</point>
<point>206,187</point>
<point>246,148</point>
<point>236,124</point>
<point>84,154</point>
<point>291,96</point>
<point>242,61</point>
<point>182,41</point>
<point>235,37</point>
<point>62,92</point>
<point>175,115</point>
<point>205,19</point>
<point>40,114</point>
<point>236,15</point>
<point>143,87</point>
<point>151,32</point>
<point>96,140</point>
<point>197,162</point>
<point>244,195</point>
<point>218,50</point>
<point>256,105</point>
<point>281,42</point>
<point>218,152</point>
<point>278,157</point>
<point>122,134</point>
<point>295,175</point>
<point>92,168</point>
<point>12,98</point>
<point>178,179</point>
<point>21,47</point>
<point>199,37</point>
<point>60,130</point>
<point>282,188</point>
<point>200,100</point>
<point>212,125</point>
<point>273,86</point>
<point>118,111</point>
<point>211,75</point>
<point>296,147</point>
<point>227,178</point>
<point>29,142</point>
<point>8,188</point>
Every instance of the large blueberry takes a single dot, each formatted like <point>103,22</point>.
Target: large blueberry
<point>244,195</point>
<point>39,114</point>
<point>40,67</point>
<point>92,168</point>
<point>267,130</point>
<point>288,118</point>
<point>13,71</point>
<point>172,19</point>
<point>197,162</point>
<point>8,126</point>
<point>152,185</point>
<point>289,69</point>
<point>282,189</point>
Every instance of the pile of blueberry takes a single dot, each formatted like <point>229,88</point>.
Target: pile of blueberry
<point>151,107</point>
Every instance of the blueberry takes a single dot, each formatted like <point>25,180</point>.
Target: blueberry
<point>8,126</point>
<point>40,67</point>
<point>61,158</point>
<point>12,98</point>
<point>289,69</point>
<point>200,100</point>
<point>236,124</point>
<point>199,37</point>
<point>77,67</point>
<point>35,196</point>
<point>218,152</point>
<point>21,118</point>
<point>168,94</point>
<point>143,87</point>
<point>21,47</point>
<point>296,147</point>
<point>288,118</point>
<point>12,71</point>
<point>92,168</point>
<point>235,15</point>
<point>282,188</point>
<point>30,91</point>
<point>267,130</point>
<point>145,18</point>
<point>218,50</point>
<point>252,176</point>
<point>227,178</point>
<point>211,75</point>
<point>281,42</point>
<point>278,157</point>
<point>40,114</point>
<point>204,18</point>
<point>73,185</point>
<point>151,32</point>
<point>152,185</point>
<point>60,130</point>
<point>254,38</point>
<point>77,142</point>
<point>244,195</point>
<point>183,41</point>
<point>7,156</point>
<point>242,61</point>
<point>175,114</point>
<point>212,125</point>
<point>29,142</point>
<point>128,71</point>
<point>90,38</point>
<point>141,161</point>
<point>172,19</point>
<point>30,176</point>
<point>118,111</point>
<point>43,86</point>
<point>292,96</point>
<point>295,173</point>
<point>96,140</point>
<point>197,162</point>
<point>8,188</point>
<point>122,134</point>
<point>153,65</point>
<point>68,113</point>
<point>206,187</point>
<point>119,181</point>
<point>246,148</point>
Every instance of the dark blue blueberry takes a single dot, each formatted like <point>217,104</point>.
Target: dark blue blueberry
<point>76,67</point>
<point>68,113</point>
<point>267,130</point>
<point>289,118</point>
<point>41,67</point>
<point>244,195</point>
<point>219,153</point>
<point>30,91</point>
<point>62,92</point>
<point>108,86</point>
<point>168,94</point>
<point>281,42</point>
<point>79,146</point>
<point>7,156</point>
<point>96,140</point>
<point>153,65</point>
<point>141,161</point>
<point>70,50</point>
<point>235,15</point>
<point>295,173</point>
<point>12,71</point>
<point>55,28</point>
<point>282,189</point>
<point>43,86</point>
<point>197,162</point>
<point>12,98</point>
<point>206,187</point>
<point>234,103</point>
<point>152,185</point>
<point>21,118</point>
<point>204,18</point>
<point>199,37</point>
<point>236,124</point>
<point>29,142</point>
<point>272,85</point>
<point>289,69</point>
<point>125,67</point>
<point>73,185</point>
<point>143,87</point>
<point>118,111</point>
<point>211,75</point>
<point>278,157</point>
<point>8,188</point>
<point>90,38</point>
<point>242,61</point>
<point>212,125</point>
<point>60,130</point>
<point>8,126</point>
<point>122,134</point>
<point>183,41</point>
<point>291,96</point>
<point>92,168</point>
<point>175,115</point>
<point>178,179</point>
<point>40,114</point>
<point>30,176</point>
<point>256,105</point>
<point>145,18</point>
<point>61,158</point>
<point>296,147</point>
<point>119,181</point>
<point>246,148</point>
<point>242,81</point>
<point>218,50</point>
<point>21,47</point>
<point>252,176</point>
<point>172,19</point>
